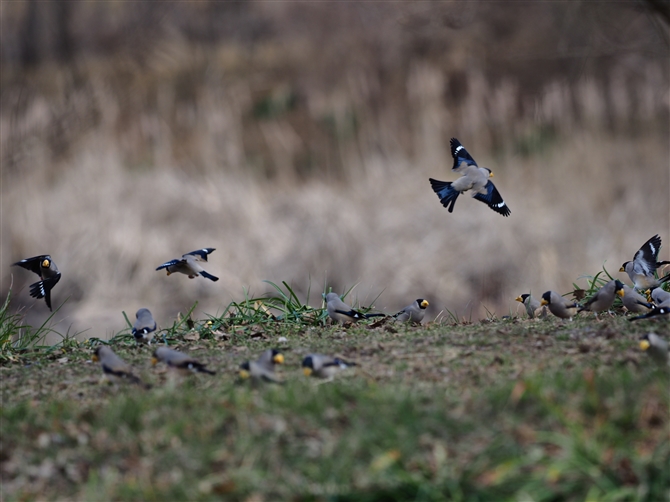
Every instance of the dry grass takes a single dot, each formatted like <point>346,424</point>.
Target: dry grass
<point>296,172</point>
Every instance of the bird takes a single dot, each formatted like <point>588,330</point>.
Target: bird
<point>144,325</point>
<point>559,306</point>
<point>179,361</point>
<point>341,312</point>
<point>413,312</point>
<point>603,298</point>
<point>45,267</point>
<point>263,368</point>
<point>655,312</point>
<point>114,369</point>
<point>660,297</point>
<point>320,366</point>
<point>656,347</point>
<point>188,264</point>
<point>642,268</point>
<point>533,305</point>
<point>473,178</point>
<point>634,302</point>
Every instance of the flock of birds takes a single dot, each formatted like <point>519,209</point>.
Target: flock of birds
<point>642,271</point>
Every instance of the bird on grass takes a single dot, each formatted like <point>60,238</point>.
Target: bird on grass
<point>45,267</point>
<point>656,347</point>
<point>634,301</point>
<point>660,297</point>
<point>642,269</point>
<point>144,326</point>
<point>533,306</point>
<point>188,264</point>
<point>263,368</point>
<point>179,361</point>
<point>559,306</point>
<point>473,178</point>
<point>115,369</point>
<point>655,313</point>
<point>339,311</point>
<point>604,298</point>
<point>413,312</point>
<point>320,366</point>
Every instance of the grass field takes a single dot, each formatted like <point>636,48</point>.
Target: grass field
<point>502,409</point>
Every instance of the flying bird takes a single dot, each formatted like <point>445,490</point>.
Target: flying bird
<point>45,267</point>
<point>188,264</point>
<point>473,178</point>
<point>642,269</point>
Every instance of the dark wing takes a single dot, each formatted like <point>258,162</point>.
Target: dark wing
<point>645,258</point>
<point>445,192</point>
<point>354,314</point>
<point>33,264</point>
<point>42,289</point>
<point>202,253</point>
<point>169,264</point>
<point>493,199</point>
<point>658,311</point>
<point>460,154</point>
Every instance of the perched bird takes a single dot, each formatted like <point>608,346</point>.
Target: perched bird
<point>43,266</point>
<point>178,360</point>
<point>634,301</point>
<point>473,178</point>
<point>660,297</point>
<point>341,312</point>
<point>604,298</point>
<point>559,306</point>
<point>188,264</point>
<point>660,312</point>
<point>413,312</point>
<point>114,368</point>
<point>656,347</point>
<point>263,368</point>
<point>144,325</point>
<point>321,366</point>
<point>533,306</point>
<point>642,269</point>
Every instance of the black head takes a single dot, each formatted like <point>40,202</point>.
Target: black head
<point>308,363</point>
<point>547,297</point>
<point>97,350</point>
<point>618,285</point>
<point>525,296</point>
<point>245,366</point>
<point>423,304</point>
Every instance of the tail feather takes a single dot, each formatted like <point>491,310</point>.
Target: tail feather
<point>445,192</point>
<point>209,276</point>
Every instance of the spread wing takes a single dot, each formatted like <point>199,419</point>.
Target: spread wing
<point>33,264</point>
<point>460,155</point>
<point>169,264</point>
<point>201,253</point>
<point>493,199</point>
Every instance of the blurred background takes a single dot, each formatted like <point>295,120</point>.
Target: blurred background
<point>297,139</point>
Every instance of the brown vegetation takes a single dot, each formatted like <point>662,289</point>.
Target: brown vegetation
<point>297,139</point>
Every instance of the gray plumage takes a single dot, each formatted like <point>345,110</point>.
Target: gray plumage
<point>559,306</point>
<point>656,347</point>
<point>188,264</point>
<point>263,368</point>
<point>45,267</point>
<point>113,367</point>
<point>413,312</point>
<point>642,269</point>
<point>604,298</point>
<point>144,325</point>
<point>179,361</point>
<point>320,366</point>
<point>533,306</point>
<point>339,311</point>
<point>634,301</point>
<point>661,297</point>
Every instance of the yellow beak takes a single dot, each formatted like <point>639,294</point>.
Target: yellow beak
<point>644,344</point>
<point>519,299</point>
<point>95,358</point>
<point>45,263</point>
<point>307,371</point>
<point>154,361</point>
<point>544,302</point>
<point>425,303</point>
<point>244,374</point>
<point>168,272</point>
<point>622,269</point>
<point>279,359</point>
<point>620,293</point>
<point>491,174</point>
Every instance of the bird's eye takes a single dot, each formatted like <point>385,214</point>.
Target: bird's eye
<point>46,263</point>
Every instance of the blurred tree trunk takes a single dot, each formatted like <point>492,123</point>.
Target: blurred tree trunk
<point>29,34</point>
<point>63,45</point>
